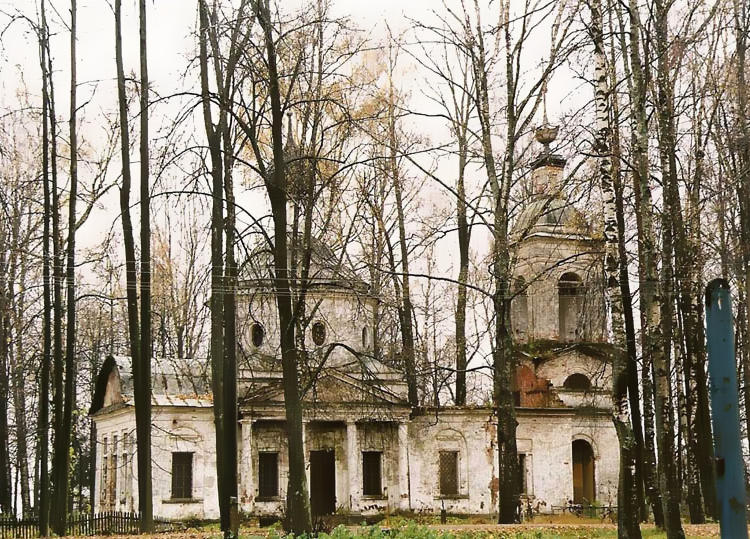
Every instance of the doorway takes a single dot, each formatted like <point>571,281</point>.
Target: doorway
<point>583,472</point>
<point>323,482</point>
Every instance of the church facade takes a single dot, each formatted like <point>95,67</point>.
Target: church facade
<point>366,450</point>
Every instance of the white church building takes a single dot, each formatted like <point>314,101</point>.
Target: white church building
<point>366,450</point>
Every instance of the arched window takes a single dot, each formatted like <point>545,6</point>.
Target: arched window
<point>570,300</point>
<point>319,333</point>
<point>365,337</point>
<point>257,334</point>
<point>519,308</point>
<point>577,382</point>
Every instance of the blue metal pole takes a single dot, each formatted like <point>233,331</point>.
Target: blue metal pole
<point>725,413</point>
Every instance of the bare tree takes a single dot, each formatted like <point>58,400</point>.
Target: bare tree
<point>135,331</point>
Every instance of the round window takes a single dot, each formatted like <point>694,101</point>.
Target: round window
<point>319,333</point>
<point>257,334</point>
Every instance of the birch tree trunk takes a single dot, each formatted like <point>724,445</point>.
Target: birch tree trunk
<point>627,298</point>
<point>627,514</point>
<point>741,22</point>
<point>647,256</point>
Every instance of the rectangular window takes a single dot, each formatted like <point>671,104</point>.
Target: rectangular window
<point>112,494</point>
<point>268,475</point>
<point>449,473</point>
<point>104,484</point>
<point>522,474</point>
<point>105,475</point>
<point>371,473</point>
<point>182,475</point>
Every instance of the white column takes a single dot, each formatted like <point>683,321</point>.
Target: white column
<point>352,463</point>
<point>404,494</point>
<point>246,463</point>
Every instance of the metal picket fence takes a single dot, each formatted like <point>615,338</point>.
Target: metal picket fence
<point>103,523</point>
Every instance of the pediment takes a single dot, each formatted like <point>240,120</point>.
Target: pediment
<point>330,387</point>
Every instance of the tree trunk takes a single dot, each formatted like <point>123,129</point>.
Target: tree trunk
<point>6,495</point>
<point>665,430</point>
<point>503,358</point>
<point>627,306</point>
<point>685,258</point>
<point>59,460</point>
<point>627,499</point>
<point>650,321</point>
<point>406,309</point>
<point>131,275</point>
<point>298,501</point>
<point>741,22</point>
<point>19,389</point>
<point>464,237</point>
<point>217,271</point>
<point>62,437</point>
<point>43,420</point>
<point>142,374</point>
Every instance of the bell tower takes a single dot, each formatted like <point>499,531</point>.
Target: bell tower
<point>558,294</point>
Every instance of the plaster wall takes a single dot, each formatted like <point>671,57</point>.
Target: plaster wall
<point>174,429</point>
<point>471,434</point>
<point>547,441</point>
<point>541,261</point>
<point>347,318</point>
<point>410,471</point>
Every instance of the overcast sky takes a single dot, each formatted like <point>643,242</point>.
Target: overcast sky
<point>171,43</point>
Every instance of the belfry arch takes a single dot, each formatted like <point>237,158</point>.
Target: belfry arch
<point>570,305</point>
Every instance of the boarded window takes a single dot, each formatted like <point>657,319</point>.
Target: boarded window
<point>268,475</point>
<point>448,473</point>
<point>522,487</point>
<point>182,475</point>
<point>371,473</point>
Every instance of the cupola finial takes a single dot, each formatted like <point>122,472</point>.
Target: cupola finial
<point>545,134</point>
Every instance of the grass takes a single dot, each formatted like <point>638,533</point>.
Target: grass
<point>428,527</point>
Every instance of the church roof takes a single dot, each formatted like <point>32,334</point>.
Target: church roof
<point>327,270</point>
<point>549,214</point>
<point>174,382</point>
